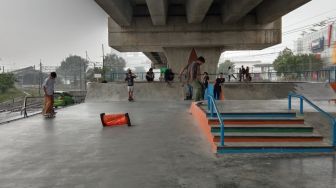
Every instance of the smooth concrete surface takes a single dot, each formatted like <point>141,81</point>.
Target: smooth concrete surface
<point>164,148</point>
<point>143,91</point>
<point>158,91</point>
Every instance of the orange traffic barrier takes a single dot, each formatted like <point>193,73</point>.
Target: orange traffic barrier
<point>115,119</point>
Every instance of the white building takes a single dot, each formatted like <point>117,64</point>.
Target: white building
<point>321,42</point>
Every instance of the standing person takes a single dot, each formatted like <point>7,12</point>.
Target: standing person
<point>247,74</point>
<point>231,73</point>
<point>205,82</point>
<point>240,74</point>
<point>150,75</point>
<point>193,76</point>
<point>130,84</point>
<point>243,72</point>
<point>48,88</point>
<point>217,87</point>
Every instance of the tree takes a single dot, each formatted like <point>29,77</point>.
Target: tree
<point>6,82</point>
<point>114,66</point>
<point>224,67</point>
<point>287,62</point>
<point>73,68</point>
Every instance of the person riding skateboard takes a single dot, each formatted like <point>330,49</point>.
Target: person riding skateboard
<point>48,88</point>
<point>130,84</point>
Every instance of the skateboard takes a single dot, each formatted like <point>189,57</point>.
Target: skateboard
<point>53,115</point>
<point>131,100</point>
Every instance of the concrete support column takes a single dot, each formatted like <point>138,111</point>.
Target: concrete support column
<point>178,58</point>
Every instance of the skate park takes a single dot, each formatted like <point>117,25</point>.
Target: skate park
<point>273,136</point>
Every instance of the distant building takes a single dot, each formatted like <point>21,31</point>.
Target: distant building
<point>28,76</point>
<point>322,43</point>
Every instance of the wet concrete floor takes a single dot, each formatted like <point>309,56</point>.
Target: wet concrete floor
<point>164,148</point>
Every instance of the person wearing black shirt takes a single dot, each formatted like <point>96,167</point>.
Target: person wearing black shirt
<point>205,82</point>
<point>150,75</point>
<point>130,84</point>
<point>218,87</point>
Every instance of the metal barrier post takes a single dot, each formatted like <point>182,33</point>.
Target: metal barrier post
<point>209,103</point>
<point>334,133</point>
<point>222,133</point>
<point>211,110</point>
<point>301,105</point>
<point>289,101</point>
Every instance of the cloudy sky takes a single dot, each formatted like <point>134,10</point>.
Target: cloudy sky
<point>50,30</point>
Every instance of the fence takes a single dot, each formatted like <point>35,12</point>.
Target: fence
<point>305,76</point>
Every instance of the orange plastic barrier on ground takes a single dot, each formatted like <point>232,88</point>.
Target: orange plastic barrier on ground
<point>115,119</point>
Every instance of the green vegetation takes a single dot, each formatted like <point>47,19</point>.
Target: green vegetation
<point>6,82</point>
<point>72,68</point>
<point>288,62</point>
<point>224,67</point>
<point>10,94</point>
<point>113,68</point>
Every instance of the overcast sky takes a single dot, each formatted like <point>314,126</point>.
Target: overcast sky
<point>50,30</point>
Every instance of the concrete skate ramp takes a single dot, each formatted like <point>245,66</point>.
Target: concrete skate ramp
<point>262,91</point>
<point>143,91</point>
<point>158,91</point>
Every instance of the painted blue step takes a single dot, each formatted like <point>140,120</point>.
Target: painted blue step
<point>257,114</point>
<point>319,147</point>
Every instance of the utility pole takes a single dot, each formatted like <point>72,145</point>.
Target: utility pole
<point>103,62</point>
<point>40,78</point>
<point>80,76</point>
<point>86,57</point>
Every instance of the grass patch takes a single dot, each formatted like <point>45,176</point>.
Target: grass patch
<point>10,94</point>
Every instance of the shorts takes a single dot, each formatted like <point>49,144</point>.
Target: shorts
<point>130,88</point>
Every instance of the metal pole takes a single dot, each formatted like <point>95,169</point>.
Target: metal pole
<point>289,101</point>
<point>103,62</point>
<point>222,132</point>
<point>209,103</point>
<point>211,109</point>
<point>40,79</point>
<point>86,57</point>
<point>301,105</point>
<point>334,133</point>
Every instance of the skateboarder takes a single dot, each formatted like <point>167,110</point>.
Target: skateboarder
<point>48,88</point>
<point>193,74</point>
<point>130,84</point>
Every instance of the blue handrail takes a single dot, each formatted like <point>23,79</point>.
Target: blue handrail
<point>331,118</point>
<point>213,107</point>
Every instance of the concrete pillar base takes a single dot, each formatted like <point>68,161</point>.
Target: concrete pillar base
<point>178,58</point>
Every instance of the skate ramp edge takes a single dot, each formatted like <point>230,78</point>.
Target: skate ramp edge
<point>143,91</point>
<point>276,90</point>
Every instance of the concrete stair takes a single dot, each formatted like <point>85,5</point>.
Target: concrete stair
<point>255,132</point>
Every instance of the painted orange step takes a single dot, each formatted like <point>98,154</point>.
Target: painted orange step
<point>268,137</point>
<point>257,121</point>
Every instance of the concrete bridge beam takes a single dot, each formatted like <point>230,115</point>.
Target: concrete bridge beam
<point>197,9</point>
<point>120,10</point>
<point>270,10</point>
<point>158,11</point>
<point>234,10</point>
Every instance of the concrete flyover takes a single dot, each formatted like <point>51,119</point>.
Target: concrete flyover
<point>167,30</point>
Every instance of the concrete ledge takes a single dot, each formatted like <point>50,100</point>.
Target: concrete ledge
<point>143,91</point>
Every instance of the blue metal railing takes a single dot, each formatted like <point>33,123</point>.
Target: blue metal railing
<point>303,98</point>
<point>213,109</point>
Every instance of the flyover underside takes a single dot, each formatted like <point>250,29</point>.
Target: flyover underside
<point>174,42</point>
<point>153,26</point>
